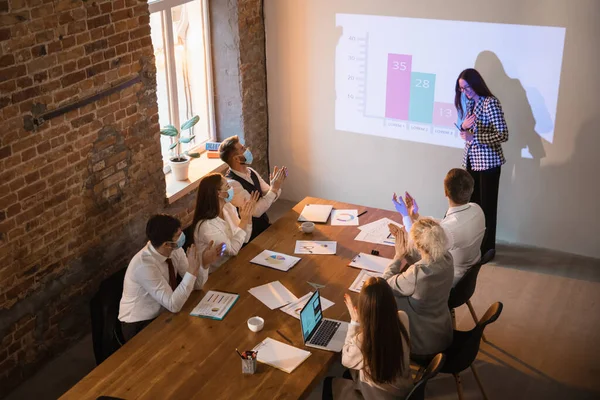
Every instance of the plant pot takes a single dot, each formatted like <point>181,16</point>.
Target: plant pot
<point>180,167</point>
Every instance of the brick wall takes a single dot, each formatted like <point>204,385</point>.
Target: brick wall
<point>76,191</point>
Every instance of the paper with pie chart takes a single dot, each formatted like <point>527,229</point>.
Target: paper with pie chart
<point>275,260</point>
<point>295,307</point>
<point>344,217</point>
<point>315,247</point>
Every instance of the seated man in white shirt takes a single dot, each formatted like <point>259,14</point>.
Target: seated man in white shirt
<point>464,222</point>
<point>150,283</point>
<point>244,180</point>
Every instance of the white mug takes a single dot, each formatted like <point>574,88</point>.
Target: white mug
<point>255,324</point>
<point>307,227</point>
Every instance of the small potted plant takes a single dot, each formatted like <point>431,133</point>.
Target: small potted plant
<point>180,162</point>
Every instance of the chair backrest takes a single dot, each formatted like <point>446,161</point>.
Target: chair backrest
<point>465,345</point>
<point>104,312</point>
<point>465,287</point>
<point>418,391</point>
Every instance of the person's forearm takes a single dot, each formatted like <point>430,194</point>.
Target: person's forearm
<point>264,203</point>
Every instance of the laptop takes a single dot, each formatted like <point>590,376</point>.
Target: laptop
<point>315,213</point>
<point>319,332</point>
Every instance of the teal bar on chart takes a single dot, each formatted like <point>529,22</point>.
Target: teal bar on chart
<point>422,91</point>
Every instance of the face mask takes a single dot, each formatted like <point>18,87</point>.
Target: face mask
<point>248,156</point>
<point>229,195</point>
<point>180,242</point>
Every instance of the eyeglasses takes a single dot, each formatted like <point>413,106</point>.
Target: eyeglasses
<point>464,88</point>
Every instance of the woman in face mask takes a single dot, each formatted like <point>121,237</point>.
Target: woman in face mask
<point>216,219</point>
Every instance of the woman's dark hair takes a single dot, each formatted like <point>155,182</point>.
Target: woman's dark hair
<point>207,199</point>
<point>161,228</point>
<point>476,82</point>
<point>382,347</point>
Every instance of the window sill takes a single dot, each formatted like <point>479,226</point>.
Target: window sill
<point>199,167</point>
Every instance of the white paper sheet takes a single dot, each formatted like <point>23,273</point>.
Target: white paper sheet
<point>315,247</point>
<point>344,217</point>
<point>360,280</point>
<point>378,232</point>
<point>275,260</point>
<point>273,295</point>
<point>280,355</point>
<point>215,304</point>
<point>370,262</point>
<point>315,213</point>
<point>375,224</point>
<point>295,307</point>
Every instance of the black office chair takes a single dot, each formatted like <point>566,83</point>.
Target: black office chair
<point>104,310</point>
<point>464,348</point>
<point>418,392</point>
<point>465,287</point>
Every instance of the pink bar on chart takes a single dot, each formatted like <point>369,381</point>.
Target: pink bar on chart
<point>397,94</point>
<point>444,114</point>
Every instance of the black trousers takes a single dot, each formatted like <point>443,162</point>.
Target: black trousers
<point>485,194</point>
<point>130,329</point>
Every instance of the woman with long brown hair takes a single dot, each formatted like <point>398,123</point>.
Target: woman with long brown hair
<point>216,220</point>
<point>376,348</point>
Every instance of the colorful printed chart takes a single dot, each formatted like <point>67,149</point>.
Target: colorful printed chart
<point>275,260</point>
<point>344,217</point>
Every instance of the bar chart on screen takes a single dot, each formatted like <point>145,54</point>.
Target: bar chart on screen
<point>396,77</point>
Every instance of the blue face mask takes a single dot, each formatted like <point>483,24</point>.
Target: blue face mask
<point>229,195</point>
<point>248,156</point>
<point>181,241</point>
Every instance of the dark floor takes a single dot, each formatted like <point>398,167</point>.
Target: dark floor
<point>544,345</point>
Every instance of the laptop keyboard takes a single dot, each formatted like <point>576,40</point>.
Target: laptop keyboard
<point>324,333</point>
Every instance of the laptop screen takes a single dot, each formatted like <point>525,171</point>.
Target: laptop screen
<point>311,315</point>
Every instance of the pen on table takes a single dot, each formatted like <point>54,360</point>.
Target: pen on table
<point>283,336</point>
<point>361,214</point>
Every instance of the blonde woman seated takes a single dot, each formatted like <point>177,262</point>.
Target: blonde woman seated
<point>216,219</point>
<point>422,290</point>
<point>376,348</point>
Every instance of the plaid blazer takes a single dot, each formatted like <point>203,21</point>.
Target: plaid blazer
<point>490,130</point>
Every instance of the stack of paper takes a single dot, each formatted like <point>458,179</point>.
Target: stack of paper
<point>275,260</point>
<point>377,232</point>
<point>280,355</point>
<point>273,295</point>
<point>360,280</point>
<point>344,217</point>
<point>370,262</point>
<point>295,307</point>
<point>315,247</point>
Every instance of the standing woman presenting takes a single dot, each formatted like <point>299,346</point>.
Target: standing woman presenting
<point>483,130</point>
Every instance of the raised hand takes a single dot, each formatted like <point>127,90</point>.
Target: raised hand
<point>351,308</point>
<point>469,122</point>
<point>277,178</point>
<point>401,237</point>
<point>412,206</point>
<point>211,253</point>
<point>400,205</point>
<point>193,260</point>
<point>247,209</point>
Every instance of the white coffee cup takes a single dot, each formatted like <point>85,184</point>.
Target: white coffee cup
<point>307,227</point>
<point>255,324</point>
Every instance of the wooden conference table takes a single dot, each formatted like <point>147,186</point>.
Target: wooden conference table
<point>183,357</point>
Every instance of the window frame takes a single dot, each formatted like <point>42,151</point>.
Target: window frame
<point>164,8</point>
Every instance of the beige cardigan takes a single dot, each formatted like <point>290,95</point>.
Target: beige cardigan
<point>361,387</point>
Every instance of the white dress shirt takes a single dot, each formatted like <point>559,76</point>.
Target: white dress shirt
<point>241,195</point>
<point>146,289</point>
<point>464,226</point>
<point>222,230</point>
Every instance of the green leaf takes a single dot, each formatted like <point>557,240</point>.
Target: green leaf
<point>193,155</point>
<point>170,126</point>
<point>171,147</point>
<point>172,132</point>
<point>187,139</point>
<point>190,123</point>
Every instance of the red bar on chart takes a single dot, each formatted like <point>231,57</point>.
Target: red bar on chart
<point>397,95</point>
<point>444,114</point>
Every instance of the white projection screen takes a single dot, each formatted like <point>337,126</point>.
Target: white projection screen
<point>395,77</point>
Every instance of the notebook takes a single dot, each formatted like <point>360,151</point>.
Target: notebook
<point>370,262</point>
<point>275,260</point>
<point>315,213</point>
<point>215,305</point>
<point>280,355</point>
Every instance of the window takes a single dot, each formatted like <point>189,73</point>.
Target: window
<point>180,36</point>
